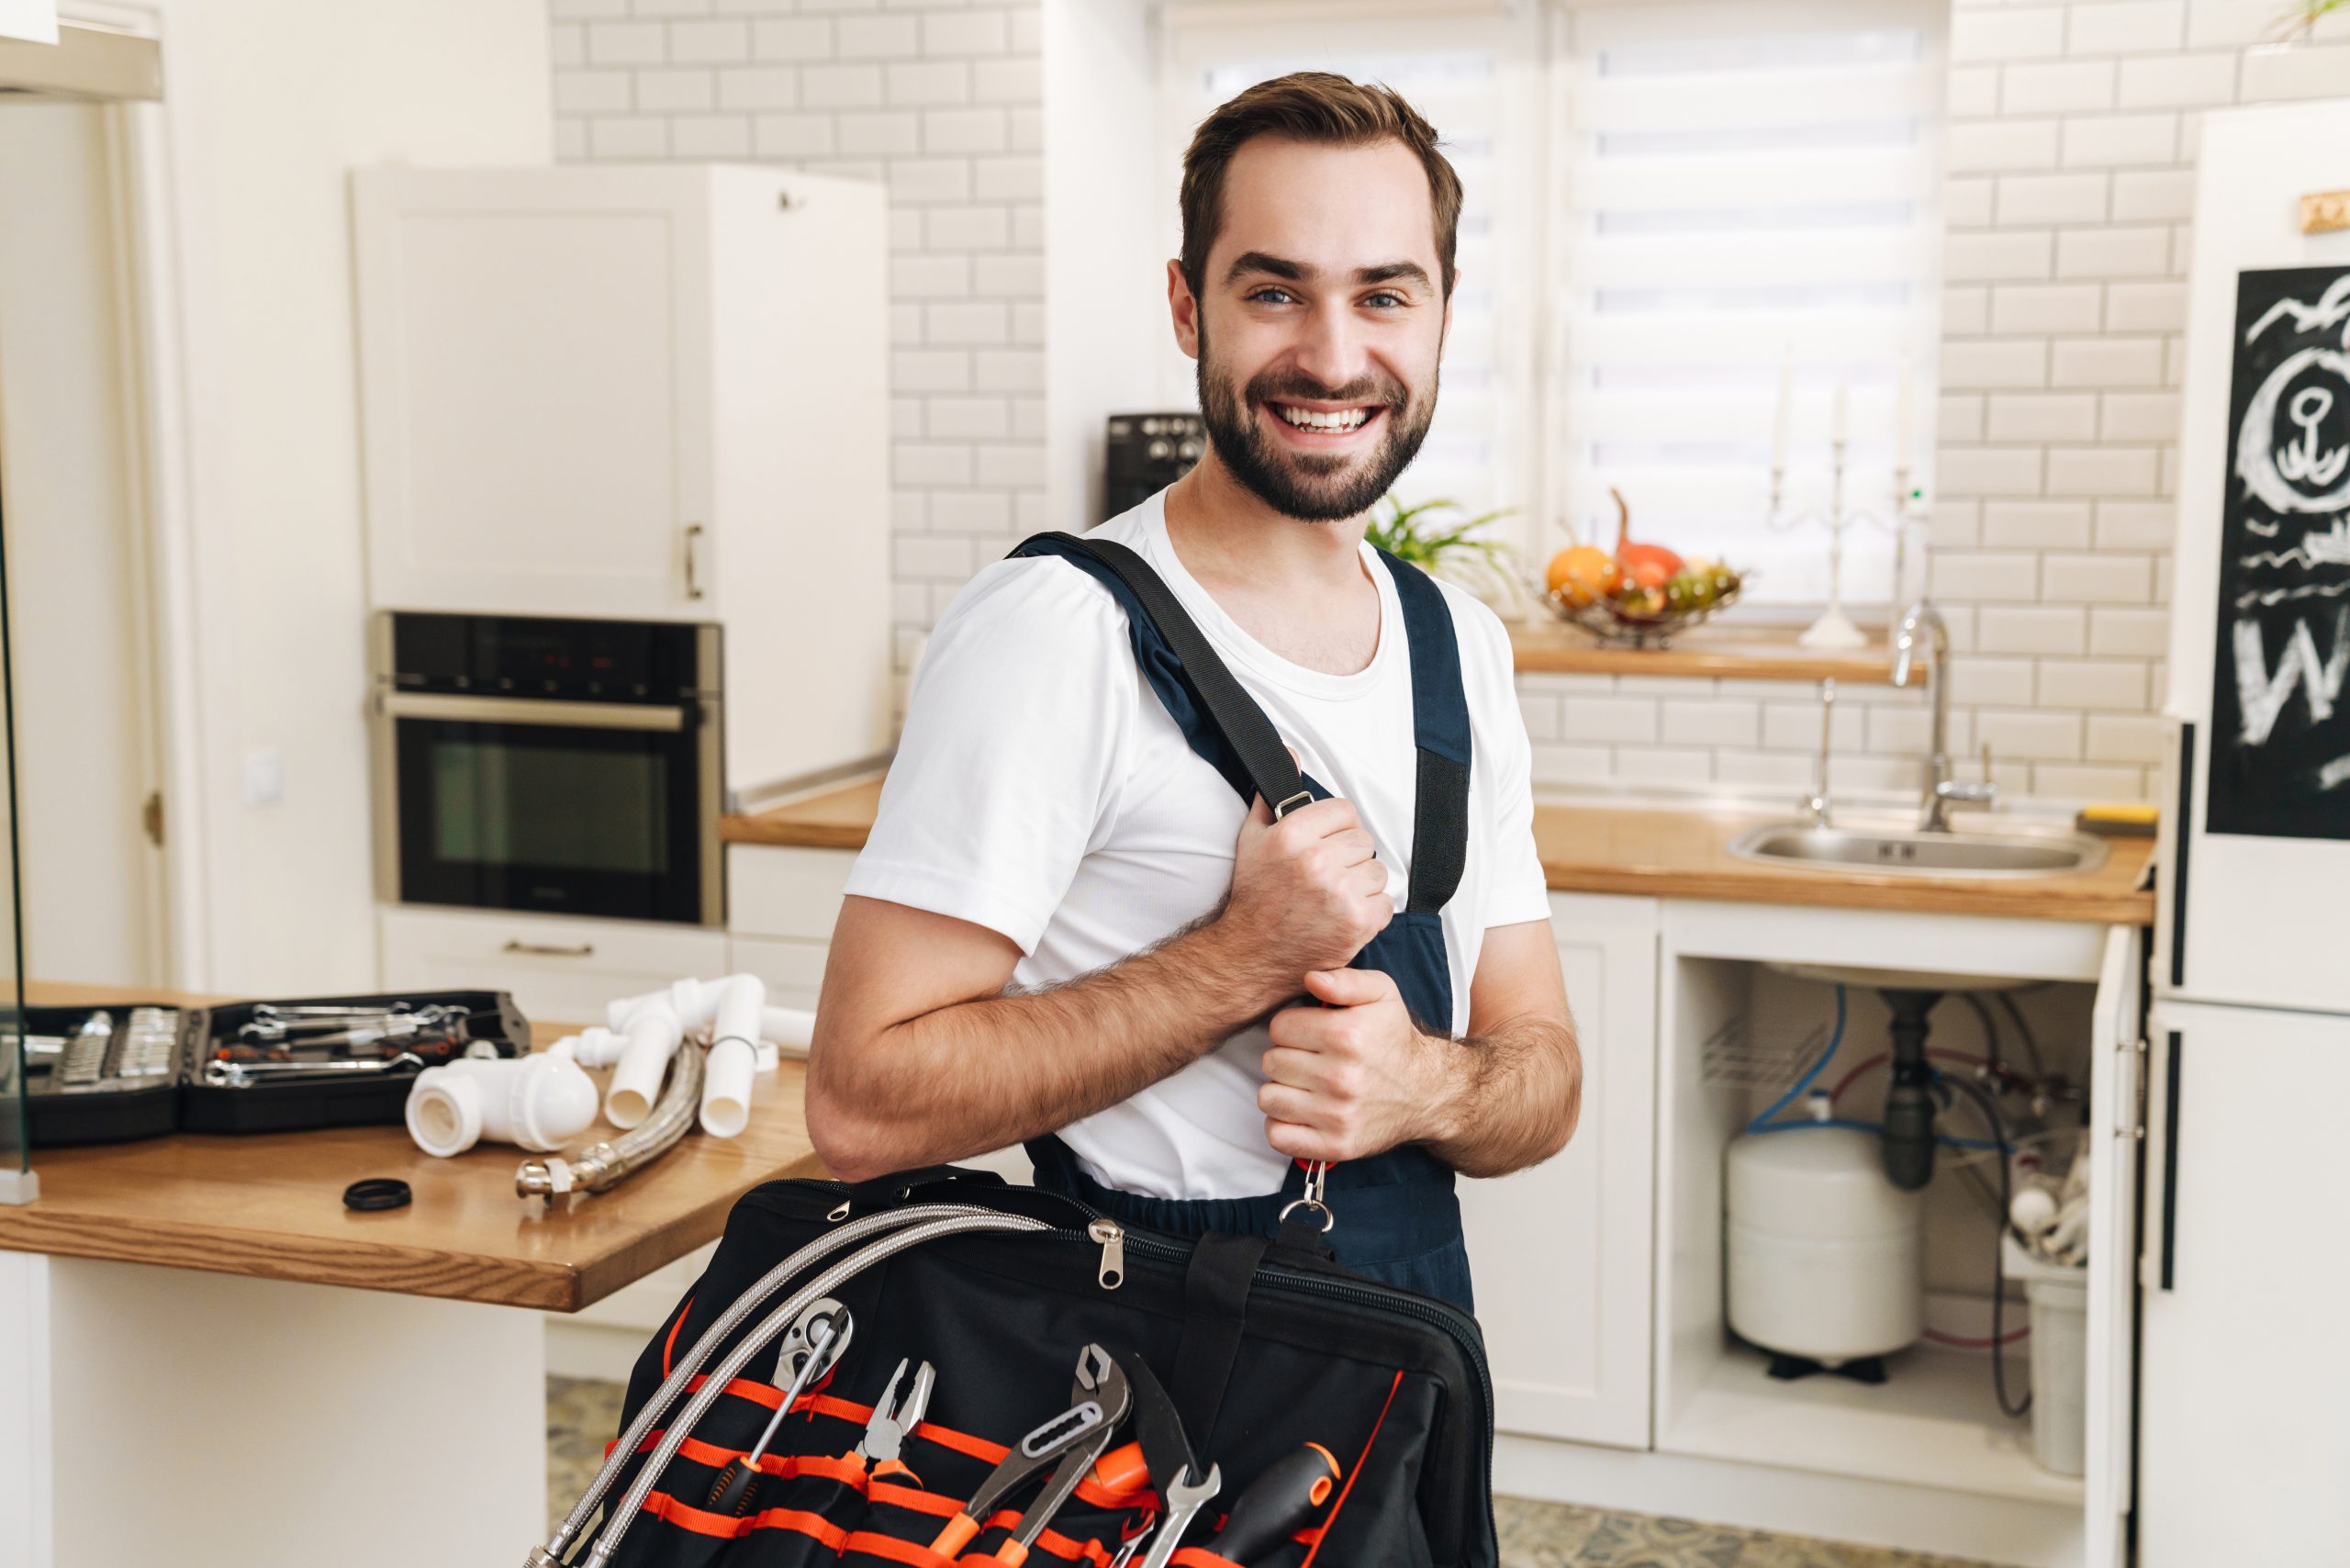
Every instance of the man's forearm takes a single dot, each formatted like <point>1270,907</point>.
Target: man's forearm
<point>1520,1096</point>
<point>988,1073</point>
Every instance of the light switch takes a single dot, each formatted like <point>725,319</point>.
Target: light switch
<point>264,776</point>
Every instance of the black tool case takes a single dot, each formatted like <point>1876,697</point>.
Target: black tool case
<point>493,1024</point>
<point>1264,1345</point>
<point>120,1103</point>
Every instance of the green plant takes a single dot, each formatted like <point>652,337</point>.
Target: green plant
<point>1433,535</point>
<point>2298,20</point>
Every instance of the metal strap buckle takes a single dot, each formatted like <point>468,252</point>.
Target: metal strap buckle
<point>1303,798</point>
<point>1317,1178</point>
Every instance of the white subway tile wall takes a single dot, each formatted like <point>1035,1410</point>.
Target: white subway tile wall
<point>2072,133</point>
<point>942,100</point>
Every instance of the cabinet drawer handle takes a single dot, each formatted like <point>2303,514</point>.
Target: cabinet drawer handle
<point>553,949</point>
<point>693,561</point>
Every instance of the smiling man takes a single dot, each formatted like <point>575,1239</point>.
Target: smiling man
<point>1068,930</point>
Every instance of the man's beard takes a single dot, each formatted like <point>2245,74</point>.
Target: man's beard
<point>1311,486</point>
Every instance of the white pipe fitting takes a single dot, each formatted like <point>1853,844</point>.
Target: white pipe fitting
<point>652,1038</point>
<point>540,1102</point>
<point>788,1029</point>
<point>739,1005</point>
<point>594,1045</point>
<point>726,1088</point>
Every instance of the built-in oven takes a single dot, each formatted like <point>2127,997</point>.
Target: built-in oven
<point>555,766</point>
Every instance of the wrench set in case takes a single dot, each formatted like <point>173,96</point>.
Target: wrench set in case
<point>142,1068</point>
<point>939,1368</point>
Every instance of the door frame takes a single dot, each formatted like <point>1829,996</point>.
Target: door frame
<point>187,666</point>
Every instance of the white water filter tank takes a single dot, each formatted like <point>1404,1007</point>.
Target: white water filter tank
<point>1826,1256</point>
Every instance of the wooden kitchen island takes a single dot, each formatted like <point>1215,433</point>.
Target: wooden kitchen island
<point>282,1379</point>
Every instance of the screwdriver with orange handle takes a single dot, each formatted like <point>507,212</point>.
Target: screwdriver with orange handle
<point>1279,1503</point>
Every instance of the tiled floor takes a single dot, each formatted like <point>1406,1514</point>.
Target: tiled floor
<point>582,1415</point>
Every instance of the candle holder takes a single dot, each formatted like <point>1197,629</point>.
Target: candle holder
<point>1834,629</point>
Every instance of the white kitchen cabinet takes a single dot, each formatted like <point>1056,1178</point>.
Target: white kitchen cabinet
<point>794,971</point>
<point>560,971</point>
<point>785,891</point>
<point>1560,1253</point>
<point>2243,1444</point>
<point>643,393</point>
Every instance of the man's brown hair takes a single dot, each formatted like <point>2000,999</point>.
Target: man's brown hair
<point>1313,107</point>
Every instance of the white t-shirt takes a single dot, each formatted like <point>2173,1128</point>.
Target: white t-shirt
<point>1041,790</point>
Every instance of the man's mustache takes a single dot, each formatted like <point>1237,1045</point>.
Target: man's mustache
<point>1365,390</point>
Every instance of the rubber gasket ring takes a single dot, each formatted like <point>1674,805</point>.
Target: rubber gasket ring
<point>377,1192</point>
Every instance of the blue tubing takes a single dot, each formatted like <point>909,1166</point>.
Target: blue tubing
<point>1836,1038</point>
<point>1764,1122</point>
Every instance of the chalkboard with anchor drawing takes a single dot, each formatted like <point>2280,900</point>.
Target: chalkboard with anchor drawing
<point>2280,714</point>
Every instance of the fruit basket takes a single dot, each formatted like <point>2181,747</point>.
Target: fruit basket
<point>1641,596</point>
<point>1618,625</point>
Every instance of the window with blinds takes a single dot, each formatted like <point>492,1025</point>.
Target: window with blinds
<point>1748,200</point>
<point>1672,208</point>
<point>1476,79</point>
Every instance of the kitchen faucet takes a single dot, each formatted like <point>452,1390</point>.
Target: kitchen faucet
<point>1941,792</point>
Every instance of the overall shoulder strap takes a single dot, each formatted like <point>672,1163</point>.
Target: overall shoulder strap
<point>1439,734</point>
<point>1186,672</point>
<point>1192,681</point>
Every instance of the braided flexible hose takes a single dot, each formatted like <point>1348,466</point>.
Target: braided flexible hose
<point>683,1371</point>
<point>936,1229</point>
<point>609,1163</point>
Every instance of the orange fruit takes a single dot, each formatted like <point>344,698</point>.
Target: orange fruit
<point>1651,566</point>
<point>1582,574</point>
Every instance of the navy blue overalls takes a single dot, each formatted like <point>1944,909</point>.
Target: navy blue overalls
<point>1394,1215</point>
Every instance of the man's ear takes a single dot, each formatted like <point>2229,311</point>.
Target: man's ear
<point>1183,307</point>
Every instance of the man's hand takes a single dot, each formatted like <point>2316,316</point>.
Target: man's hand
<point>1308,891</point>
<point>1353,1079</point>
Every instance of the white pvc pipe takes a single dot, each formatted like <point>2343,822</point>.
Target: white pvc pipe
<point>653,1037</point>
<point>538,1101</point>
<point>792,1029</point>
<point>726,1087</point>
<point>738,1003</point>
<point>593,1046</point>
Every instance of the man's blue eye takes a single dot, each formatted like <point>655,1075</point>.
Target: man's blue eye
<point>1389,298</point>
<point>1267,294</point>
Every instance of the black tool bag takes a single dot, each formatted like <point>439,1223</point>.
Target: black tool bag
<point>1263,1344</point>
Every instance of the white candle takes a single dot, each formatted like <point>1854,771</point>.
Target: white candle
<point>1841,400</point>
<point>1901,430</point>
<point>1786,393</point>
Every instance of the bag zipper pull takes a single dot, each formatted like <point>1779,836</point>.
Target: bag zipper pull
<point>1112,1237</point>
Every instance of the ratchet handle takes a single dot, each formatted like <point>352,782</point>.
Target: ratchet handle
<point>1279,1503</point>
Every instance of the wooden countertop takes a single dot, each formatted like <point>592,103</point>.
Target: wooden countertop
<point>1649,851</point>
<point>270,1204</point>
<point>1709,652</point>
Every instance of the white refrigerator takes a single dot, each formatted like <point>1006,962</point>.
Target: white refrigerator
<point>2243,1429</point>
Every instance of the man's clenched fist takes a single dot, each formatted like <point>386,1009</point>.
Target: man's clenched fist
<point>1352,1079</point>
<point>1308,891</point>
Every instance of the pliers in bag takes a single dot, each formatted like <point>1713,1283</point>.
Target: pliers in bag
<point>886,1430</point>
<point>1099,1398</point>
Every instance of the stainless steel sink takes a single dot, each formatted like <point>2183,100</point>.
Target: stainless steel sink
<point>2000,851</point>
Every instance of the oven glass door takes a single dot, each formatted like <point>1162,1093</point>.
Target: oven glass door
<point>556,818</point>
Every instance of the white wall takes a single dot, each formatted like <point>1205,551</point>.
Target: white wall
<point>940,100</point>
<point>1107,335</point>
<point>270,105</point>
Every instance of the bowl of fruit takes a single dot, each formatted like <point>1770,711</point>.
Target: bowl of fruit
<point>1639,595</point>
